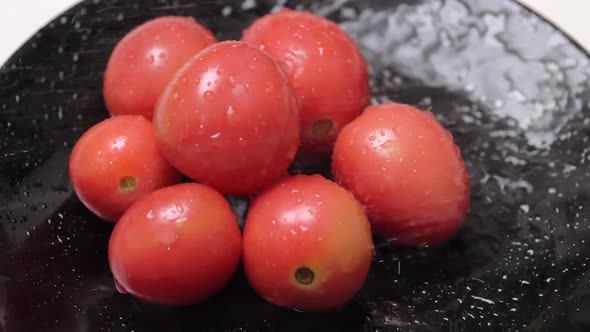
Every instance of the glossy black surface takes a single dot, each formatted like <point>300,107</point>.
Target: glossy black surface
<point>513,90</point>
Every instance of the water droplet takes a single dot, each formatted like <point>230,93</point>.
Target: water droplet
<point>209,95</point>
<point>226,11</point>
<point>232,81</point>
<point>162,56</point>
<point>388,145</point>
<point>150,59</point>
<point>230,111</point>
<point>120,288</point>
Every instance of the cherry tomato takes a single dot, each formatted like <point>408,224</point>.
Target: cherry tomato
<point>147,58</point>
<point>328,72</point>
<point>405,167</point>
<point>307,244</point>
<point>117,162</point>
<point>177,246</point>
<point>229,119</point>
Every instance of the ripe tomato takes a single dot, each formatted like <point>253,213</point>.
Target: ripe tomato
<point>328,72</point>
<point>146,59</point>
<point>117,162</point>
<point>229,119</point>
<point>307,244</point>
<point>405,167</point>
<point>177,246</point>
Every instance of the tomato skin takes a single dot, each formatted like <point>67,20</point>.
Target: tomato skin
<point>146,59</point>
<point>405,167</point>
<point>307,221</point>
<point>229,119</point>
<point>177,246</point>
<point>109,157</point>
<point>327,70</point>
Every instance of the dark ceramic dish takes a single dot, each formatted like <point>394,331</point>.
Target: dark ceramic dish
<point>513,90</point>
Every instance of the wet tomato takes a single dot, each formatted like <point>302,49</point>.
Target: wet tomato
<point>327,70</point>
<point>307,244</point>
<point>405,167</point>
<point>117,162</point>
<point>229,119</point>
<point>177,246</point>
<point>147,58</point>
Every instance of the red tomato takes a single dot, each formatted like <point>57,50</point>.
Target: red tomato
<point>146,59</point>
<point>229,119</point>
<point>177,246</point>
<point>405,167</point>
<point>307,244</point>
<point>328,72</point>
<point>117,162</point>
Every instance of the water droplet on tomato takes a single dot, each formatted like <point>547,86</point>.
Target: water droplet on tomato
<point>372,138</point>
<point>232,81</point>
<point>289,67</point>
<point>230,111</point>
<point>209,95</point>
<point>150,59</point>
<point>162,56</point>
<point>120,287</point>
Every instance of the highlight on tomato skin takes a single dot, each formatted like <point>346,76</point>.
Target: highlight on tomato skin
<point>328,72</point>
<point>177,246</point>
<point>117,162</point>
<point>229,119</point>
<point>405,167</point>
<point>307,244</point>
<point>146,59</point>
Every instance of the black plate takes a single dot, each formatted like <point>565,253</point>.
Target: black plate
<point>511,87</point>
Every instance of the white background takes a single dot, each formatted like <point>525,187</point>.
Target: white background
<point>19,19</point>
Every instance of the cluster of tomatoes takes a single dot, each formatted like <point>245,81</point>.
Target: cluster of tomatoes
<point>233,116</point>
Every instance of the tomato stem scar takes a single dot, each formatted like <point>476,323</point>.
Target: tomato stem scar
<point>304,275</point>
<point>127,184</point>
<point>322,127</point>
